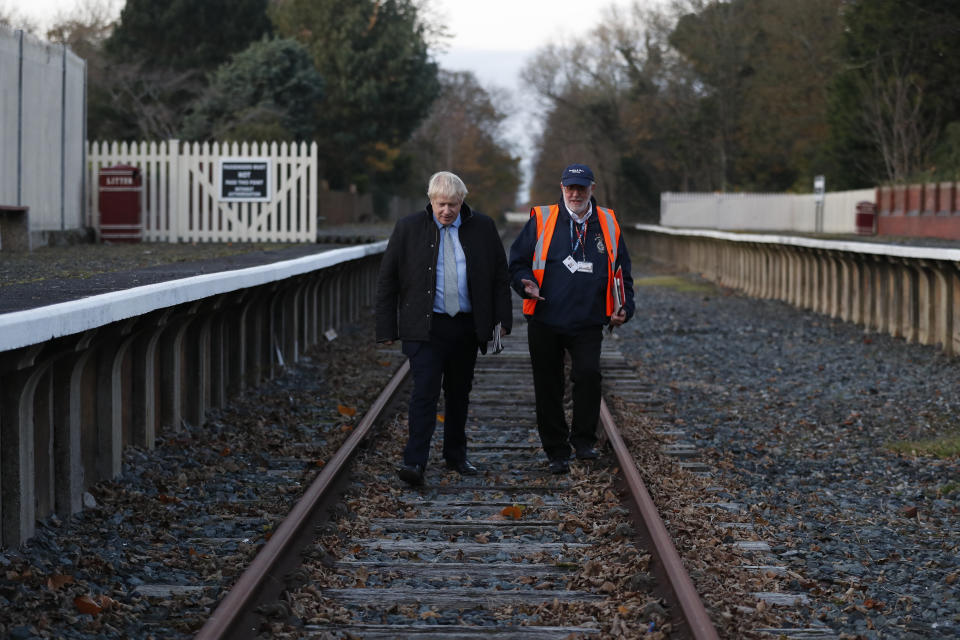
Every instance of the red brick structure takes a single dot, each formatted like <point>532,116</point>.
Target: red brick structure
<point>930,210</point>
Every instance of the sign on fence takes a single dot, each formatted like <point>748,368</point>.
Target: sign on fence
<point>244,179</point>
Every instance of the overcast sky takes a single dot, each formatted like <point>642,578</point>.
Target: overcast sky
<point>491,38</point>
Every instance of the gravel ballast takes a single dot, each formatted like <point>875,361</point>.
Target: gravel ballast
<point>796,411</point>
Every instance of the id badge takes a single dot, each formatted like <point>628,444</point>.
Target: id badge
<point>585,267</point>
<point>571,264</point>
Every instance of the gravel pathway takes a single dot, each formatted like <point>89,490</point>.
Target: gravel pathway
<point>798,411</point>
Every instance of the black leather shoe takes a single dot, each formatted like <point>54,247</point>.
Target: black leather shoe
<point>412,474</point>
<point>559,465</point>
<point>463,467</point>
<point>587,453</point>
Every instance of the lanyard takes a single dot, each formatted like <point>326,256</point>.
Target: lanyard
<point>581,232</point>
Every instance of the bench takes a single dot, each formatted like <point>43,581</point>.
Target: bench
<point>15,228</point>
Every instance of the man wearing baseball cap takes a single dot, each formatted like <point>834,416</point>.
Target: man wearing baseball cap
<point>571,267</point>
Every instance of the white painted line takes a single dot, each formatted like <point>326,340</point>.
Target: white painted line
<point>34,326</point>
<point>870,248</point>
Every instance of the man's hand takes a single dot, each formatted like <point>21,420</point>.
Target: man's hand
<point>618,318</point>
<point>531,289</point>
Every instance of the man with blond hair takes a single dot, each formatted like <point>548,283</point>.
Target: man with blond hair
<point>442,289</point>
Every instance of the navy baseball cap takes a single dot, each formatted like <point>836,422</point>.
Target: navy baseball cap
<point>577,174</point>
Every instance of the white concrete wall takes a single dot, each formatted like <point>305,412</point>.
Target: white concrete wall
<point>42,130</point>
<point>761,211</point>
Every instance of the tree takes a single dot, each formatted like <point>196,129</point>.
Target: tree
<point>184,35</point>
<point>714,43</point>
<point>462,134</point>
<point>782,120</point>
<point>585,88</point>
<point>380,80</point>
<point>85,29</point>
<point>897,91</point>
<point>15,20</point>
<point>269,91</point>
<point>597,94</point>
<point>705,96</point>
<point>157,60</point>
<point>764,66</point>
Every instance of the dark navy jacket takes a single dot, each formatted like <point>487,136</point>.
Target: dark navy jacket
<point>572,301</point>
<point>408,279</point>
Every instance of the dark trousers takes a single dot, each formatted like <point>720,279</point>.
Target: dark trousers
<point>446,360</point>
<point>547,347</point>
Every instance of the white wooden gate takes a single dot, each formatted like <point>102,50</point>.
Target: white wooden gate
<point>180,201</point>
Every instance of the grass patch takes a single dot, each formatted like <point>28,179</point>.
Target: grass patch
<point>945,447</point>
<point>676,283</point>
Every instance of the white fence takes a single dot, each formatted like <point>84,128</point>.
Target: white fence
<point>180,201</point>
<point>762,211</point>
<point>42,130</point>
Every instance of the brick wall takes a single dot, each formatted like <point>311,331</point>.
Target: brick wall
<point>926,210</point>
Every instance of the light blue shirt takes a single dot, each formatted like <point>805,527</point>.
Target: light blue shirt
<point>463,293</point>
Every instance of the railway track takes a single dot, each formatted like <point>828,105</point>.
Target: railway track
<point>514,552</point>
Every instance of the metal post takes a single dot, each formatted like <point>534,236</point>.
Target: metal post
<point>63,134</point>
<point>83,158</point>
<point>819,189</point>
<point>20,119</point>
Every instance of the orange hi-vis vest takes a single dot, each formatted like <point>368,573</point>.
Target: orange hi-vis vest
<point>546,222</point>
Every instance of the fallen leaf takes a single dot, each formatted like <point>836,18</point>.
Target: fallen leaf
<point>85,604</point>
<point>165,499</point>
<point>346,428</point>
<point>344,410</point>
<point>910,511</point>
<point>440,418</point>
<point>429,614</point>
<point>515,511</point>
<point>225,452</point>
<point>951,578</point>
<point>54,582</point>
<point>106,602</point>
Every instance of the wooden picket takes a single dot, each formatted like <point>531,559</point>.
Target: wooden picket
<point>180,202</point>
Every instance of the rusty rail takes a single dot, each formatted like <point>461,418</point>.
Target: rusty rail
<point>680,591</point>
<point>266,571</point>
<point>228,618</point>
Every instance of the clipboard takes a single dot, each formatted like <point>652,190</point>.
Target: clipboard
<point>619,294</point>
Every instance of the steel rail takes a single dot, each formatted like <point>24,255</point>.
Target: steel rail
<point>681,592</point>
<point>225,619</point>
